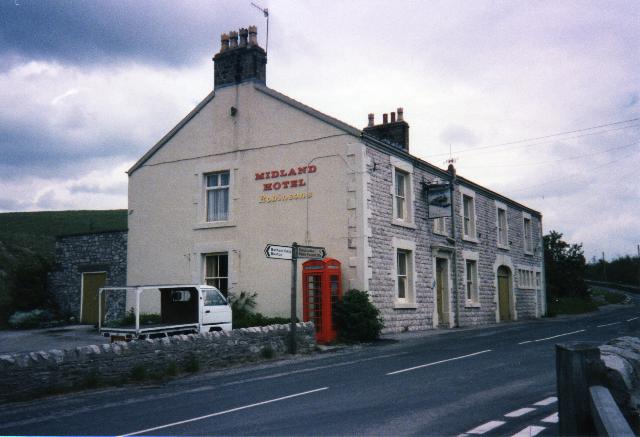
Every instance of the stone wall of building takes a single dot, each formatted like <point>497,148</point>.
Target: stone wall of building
<point>421,313</point>
<point>77,254</point>
<point>37,373</point>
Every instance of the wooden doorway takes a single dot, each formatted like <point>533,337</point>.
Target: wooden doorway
<point>442,291</point>
<point>91,282</point>
<point>504,293</point>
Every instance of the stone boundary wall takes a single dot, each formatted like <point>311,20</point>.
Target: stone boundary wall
<point>38,373</point>
<point>621,360</point>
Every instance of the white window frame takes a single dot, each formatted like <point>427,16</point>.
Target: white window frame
<point>469,256</point>
<point>200,193</point>
<point>407,169</point>
<point>527,244</point>
<point>408,247</point>
<point>502,244</point>
<point>527,278</point>
<point>473,234</point>
<point>219,187</point>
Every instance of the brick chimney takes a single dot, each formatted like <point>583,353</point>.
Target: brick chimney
<point>239,60</point>
<point>394,132</point>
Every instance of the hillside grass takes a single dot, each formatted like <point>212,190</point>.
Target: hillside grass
<point>37,231</point>
<point>27,249</point>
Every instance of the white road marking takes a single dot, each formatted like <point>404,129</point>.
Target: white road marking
<point>220,413</point>
<point>530,431</point>
<point>551,419</point>
<point>632,319</point>
<point>438,362</point>
<point>547,401</point>
<point>550,338</point>
<point>608,324</point>
<point>520,412</point>
<point>486,427</point>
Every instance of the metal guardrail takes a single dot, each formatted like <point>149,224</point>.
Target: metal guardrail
<point>585,407</point>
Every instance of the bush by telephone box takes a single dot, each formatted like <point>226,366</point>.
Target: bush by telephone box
<point>321,291</point>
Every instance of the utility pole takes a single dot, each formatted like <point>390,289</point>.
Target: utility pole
<point>294,305</point>
<point>604,268</point>
<point>638,264</point>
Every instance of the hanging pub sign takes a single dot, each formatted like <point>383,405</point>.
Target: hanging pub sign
<point>439,200</point>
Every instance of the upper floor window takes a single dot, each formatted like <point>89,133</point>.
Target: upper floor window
<point>527,236</point>
<point>401,189</point>
<point>469,216</point>
<point>217,186</point>
<point>502,228</point>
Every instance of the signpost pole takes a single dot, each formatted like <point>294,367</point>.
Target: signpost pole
<point>294,274</point>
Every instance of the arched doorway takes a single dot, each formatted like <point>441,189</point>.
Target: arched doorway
<point>504,293</point>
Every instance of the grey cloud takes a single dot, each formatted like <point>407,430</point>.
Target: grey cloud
<point>458,135</point>
<point>84,32</point>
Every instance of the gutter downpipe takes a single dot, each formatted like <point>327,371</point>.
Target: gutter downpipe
<point>452,172</point>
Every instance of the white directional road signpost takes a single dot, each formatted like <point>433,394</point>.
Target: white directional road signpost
<point>294,252</point>
<point>278,252</point>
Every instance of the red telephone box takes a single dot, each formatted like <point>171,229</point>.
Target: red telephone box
<point>321,291</point>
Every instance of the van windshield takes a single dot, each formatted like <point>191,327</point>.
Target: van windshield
<point>213,297</point>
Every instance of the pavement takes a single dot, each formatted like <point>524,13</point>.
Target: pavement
<point>497,380</point>
<point>64,337</point>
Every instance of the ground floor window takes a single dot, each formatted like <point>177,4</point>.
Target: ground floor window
<point>403,260</point>
<point>217,271</point>
<point>472,281</point>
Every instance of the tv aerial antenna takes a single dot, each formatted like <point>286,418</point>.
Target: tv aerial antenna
<point>265,12</point>
<point>451,159</point>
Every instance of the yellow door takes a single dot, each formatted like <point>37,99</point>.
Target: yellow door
<point>91,282</point>
<point>504,293</point>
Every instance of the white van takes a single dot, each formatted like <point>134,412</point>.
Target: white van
<point>162,310</point>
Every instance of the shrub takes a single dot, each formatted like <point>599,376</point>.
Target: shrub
<point>357,319</point>
<point>130,319</point>
<point>191,364</point>
<point>138,372</point>
<point>30,319</point>
<point>243,315</point>
<point>267,352</point>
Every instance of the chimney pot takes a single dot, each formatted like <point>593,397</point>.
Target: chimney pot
<point>233,39</point>
<point>253,36</point>
<point>371,116</point>
<point>385,118</point>
<point>400,114</point>
<point>393,117</point>
<point>243,37</point>
<point>224,42</point>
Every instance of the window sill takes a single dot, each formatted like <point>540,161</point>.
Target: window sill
<point>442,234</point>
<point>405,306</point>
<point>403,223</point>
<point>528,253</point>
<point>472,305</point>
<point>470,239</point>
<point>210,225</point>
<point>502,247</point>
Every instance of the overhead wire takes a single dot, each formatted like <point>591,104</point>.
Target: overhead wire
<point>537,140</point>
<point>587,155</point>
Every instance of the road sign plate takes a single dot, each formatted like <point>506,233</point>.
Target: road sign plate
<point>278,252</point>
<point>311,252</point>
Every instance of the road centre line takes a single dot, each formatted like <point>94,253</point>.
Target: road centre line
<point>311,369</point>
<point>486,427</point>
<point>530,431</point>
<point>220,413</point>
<point>520,412</point>
<point>632,319</point>
<point>548,401</point>
<point>550,338</point>
<point>608,324</point>
<point>438,362</point>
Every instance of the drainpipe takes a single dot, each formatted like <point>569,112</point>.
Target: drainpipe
<point>452,171</point>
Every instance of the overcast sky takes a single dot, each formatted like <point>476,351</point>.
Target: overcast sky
<point>87,87</point>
